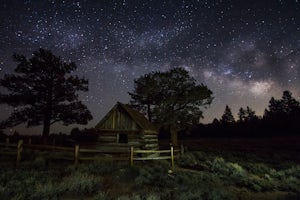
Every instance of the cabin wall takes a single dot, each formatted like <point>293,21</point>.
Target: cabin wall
<point>119,120</point>
<point>112,139</point>
<point>119,127</point>
<point>150,140</point>
<point>138,139</point>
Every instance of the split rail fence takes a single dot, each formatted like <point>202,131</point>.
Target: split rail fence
<point>78,154</point>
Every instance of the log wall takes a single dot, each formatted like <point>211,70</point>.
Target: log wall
<point>119,120</point>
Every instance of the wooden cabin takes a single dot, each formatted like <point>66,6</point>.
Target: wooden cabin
<point>123,127</point>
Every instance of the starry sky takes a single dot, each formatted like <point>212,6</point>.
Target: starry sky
<point>244,51</point>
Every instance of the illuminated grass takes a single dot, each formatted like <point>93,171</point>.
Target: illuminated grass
<point>199,175</point>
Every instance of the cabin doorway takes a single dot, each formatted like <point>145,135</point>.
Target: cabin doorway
<point>122,138</point>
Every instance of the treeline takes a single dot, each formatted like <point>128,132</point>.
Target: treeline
<point>76,136</point>
<point>281,118</point>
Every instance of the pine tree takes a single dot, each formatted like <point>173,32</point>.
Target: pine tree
<point>288,103</point>
<point>43,92</point>
<point>242,115</point>
<point>227,117</point>
<point>250,114</point>
<point>283,107</point>
<point>171,99</point>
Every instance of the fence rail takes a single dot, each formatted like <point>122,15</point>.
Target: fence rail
<point>47,147</point>
<point>155,157</point>
<point>12,149</point>
<point>84,154</point>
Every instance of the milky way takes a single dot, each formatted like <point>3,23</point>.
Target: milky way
<point>244,51</point>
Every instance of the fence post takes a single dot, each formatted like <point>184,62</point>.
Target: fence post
<point>29,141</point>
<point>19,151</point>
<point>76,154</point>
<point>172,157</point>
<point>131,156</point>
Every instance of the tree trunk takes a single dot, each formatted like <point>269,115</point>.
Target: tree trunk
<point>46,128</point>
<point>48,110</point>
<point>149,112</point>
<point>174,137</point>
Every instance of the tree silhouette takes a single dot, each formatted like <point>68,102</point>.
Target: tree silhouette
<point>282,107</point>
<point>250,114</point>
<point>146,95</point>
<point>288,103</point>
<point>242,114</point>
<point>227,117</point>
<point>172,99</point>
<point>43,92</point>
<point>274,109</point>
<point>216,122</point>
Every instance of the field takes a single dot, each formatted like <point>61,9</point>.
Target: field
<point>209,169</point>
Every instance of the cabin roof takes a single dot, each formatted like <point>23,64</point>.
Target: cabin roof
<point>135,115</point>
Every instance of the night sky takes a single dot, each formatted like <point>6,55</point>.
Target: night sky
<point>244,51</point>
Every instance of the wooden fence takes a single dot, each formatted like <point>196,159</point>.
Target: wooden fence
<point>12,149</point>
<point>82,154</point>
<point>156,155</point>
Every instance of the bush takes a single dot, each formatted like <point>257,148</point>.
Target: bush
<point>98,168</point>
<point>46,191</point>
<point>187,160</point>
<point>293,171</point>
<point>290,183</point>
<point>39,163</point>
<point>205,194</point>
<point>3,193</point>
<point>127,173</point>
<point>155,176</point>
<point>101,196</point>
<point>81,184</point>
<point>234,170</point>
<point>258,168</point>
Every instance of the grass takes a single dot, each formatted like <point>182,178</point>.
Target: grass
<point>200,174</point>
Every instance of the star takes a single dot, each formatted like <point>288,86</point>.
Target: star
<point>245,52</point>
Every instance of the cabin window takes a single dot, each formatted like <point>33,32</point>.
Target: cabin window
<point>123,138</point>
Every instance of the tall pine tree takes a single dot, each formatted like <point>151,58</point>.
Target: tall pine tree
<point>227,117</point>
<point>43,92</point>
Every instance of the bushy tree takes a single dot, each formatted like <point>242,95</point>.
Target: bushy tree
<point>146,94</point>
<point>171,99</point>
<point>43,92</point>
<point>242,114</point>
<point>250,114</point>
<point>227,117</point>
<point>288,103</point>
<point>216,122</point>
<point>286,106</point>
<point>246,115</point>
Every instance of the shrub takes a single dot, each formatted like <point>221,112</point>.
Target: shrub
<point>258,184</point>
<point>277,174</point>
<point>258,168</point>
<point>127,173</point>
<point>46,191</point>
<point>187,160</point>
<point>155,176</point>
<point>191,195</point>
<point>290,183</point>
<point>234,170</point>
<point>81,184</point>
<point>101,196</point>
<point>99,168</point>
<point>293,171</point>
<point>39,163</point>
<point>3,193</point>
<point>205,194</point>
